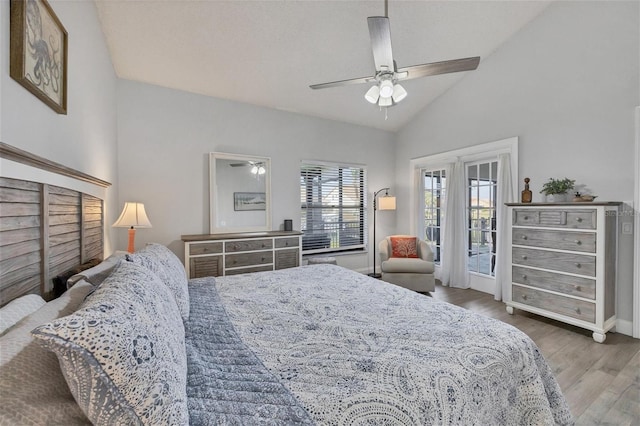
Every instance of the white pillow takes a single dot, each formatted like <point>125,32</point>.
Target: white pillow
<point>17,309</point>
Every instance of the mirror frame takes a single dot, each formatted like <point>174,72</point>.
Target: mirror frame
<point>213,193</point>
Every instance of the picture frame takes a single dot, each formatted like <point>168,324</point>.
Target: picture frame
<point>38,52</point>
<point>248,201</point>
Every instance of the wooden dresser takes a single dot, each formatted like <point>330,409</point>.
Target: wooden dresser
<point>563,263</point>
<point>239,253</point>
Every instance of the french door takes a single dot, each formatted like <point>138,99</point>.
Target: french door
<point>482,190</point>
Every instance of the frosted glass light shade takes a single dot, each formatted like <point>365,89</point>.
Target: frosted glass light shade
<point>133,216</point>
<point>386,89</point>
<point>372,94</point>
<point>398,93</point>
<point>385,102</point>
<point>387,203</point>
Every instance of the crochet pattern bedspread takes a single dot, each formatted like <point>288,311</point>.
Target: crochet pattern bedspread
<point>353,350</point>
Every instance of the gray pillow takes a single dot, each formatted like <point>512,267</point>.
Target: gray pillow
<point>32,388</point>
<point>123,352</point>
<point>166,265</point>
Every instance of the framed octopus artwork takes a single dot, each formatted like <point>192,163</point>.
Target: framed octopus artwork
<point>38,53</point>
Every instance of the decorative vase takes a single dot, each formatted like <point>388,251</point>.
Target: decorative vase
<point>557,198</point>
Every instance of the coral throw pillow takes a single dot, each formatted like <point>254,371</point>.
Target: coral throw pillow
<point>404,247</point>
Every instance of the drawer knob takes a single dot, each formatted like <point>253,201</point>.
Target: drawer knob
<point>526,218</point>
<point>524,297</point>
<point>578,242</point>
<point>578,265</point>
<point>524,256</point>
<point>524,277</point>
<point>578,219</point>
<point>578,288</point>
<point>578,311</point>
<point>524,237</point>
<point>286,244</point>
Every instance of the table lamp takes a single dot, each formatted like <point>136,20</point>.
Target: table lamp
<point>133,216</point>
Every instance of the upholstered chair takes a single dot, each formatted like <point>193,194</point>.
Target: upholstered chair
<point>414,273</point>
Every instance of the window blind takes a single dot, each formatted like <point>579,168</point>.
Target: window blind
<point>333,207</point>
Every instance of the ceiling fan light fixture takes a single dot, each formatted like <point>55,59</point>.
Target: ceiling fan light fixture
<point>372,94</point>
<point>254,169</point>
<point>398,93</point>
<point>386,88</point>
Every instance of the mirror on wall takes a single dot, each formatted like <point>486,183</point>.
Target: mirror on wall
<point>240,193</point>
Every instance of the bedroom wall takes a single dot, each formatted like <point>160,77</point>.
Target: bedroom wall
<point>165,136</point>
<point>85,138</point>
<point>567,86</point>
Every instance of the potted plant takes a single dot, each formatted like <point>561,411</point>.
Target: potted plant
<point>556,189</point>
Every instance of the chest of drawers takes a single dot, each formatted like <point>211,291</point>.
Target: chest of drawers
<point>563,263</point>
<point>228,254</point>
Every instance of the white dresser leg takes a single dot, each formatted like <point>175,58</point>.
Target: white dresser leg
<point>510,310</point>
<point>599,337</point>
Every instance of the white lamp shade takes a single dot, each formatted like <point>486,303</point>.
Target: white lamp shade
<point>386,89</point>
<point>398,93</point>
<point>387,203</point>
<point>385,102</point>
<point>372,94</point>
<point>133,216</point>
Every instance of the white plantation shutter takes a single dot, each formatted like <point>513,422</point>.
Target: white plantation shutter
<point>333,207</point>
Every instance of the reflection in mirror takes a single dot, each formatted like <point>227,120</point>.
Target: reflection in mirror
<point>240,199</point>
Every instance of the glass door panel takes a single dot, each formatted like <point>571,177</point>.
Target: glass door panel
<point>481,213</point>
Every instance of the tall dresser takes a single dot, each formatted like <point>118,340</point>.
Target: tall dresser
<point>227,254</point>
<point>563,263</point>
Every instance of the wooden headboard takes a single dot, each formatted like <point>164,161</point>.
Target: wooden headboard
<point>45,230</point>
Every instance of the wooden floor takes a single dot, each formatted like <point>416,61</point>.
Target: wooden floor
<point>600,381</point>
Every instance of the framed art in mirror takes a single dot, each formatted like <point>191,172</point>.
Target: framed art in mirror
<point>240,193</point>
<point>38,52</point>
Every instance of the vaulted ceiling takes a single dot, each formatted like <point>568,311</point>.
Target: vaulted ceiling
<point>267,53</point>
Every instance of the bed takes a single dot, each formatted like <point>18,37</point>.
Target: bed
<point>134,342</point>
<point>315,344</point>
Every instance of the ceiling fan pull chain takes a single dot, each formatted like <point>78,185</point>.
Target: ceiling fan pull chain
<point>386,110</point>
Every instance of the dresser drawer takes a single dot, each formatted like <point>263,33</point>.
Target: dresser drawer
<point>564,262</point>
<point>207,266</point>
<point>552,218</point>
<point>248,259</point>
<point>248,245</point>
<point>205,248</point>
<point>567,284</point>
<point>288,258</point>
<point>287,242</point>
<point>562,240</point>
<point>567,306</point>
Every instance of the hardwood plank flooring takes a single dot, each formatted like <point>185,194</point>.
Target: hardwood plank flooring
<point>601,382</point>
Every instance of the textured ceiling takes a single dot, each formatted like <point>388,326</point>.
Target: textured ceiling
<point>267,53</point>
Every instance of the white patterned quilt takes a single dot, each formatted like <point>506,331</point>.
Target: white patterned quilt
<point>353,350</point>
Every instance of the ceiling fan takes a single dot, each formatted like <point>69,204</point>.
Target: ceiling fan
<point>386,91</point>
<point>257,167</point>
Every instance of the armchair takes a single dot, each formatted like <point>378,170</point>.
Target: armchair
<point>412,273</point>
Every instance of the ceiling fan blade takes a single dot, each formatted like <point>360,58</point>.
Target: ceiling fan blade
<point>343,82</point>
<point>435,68</point>
<point>380,33</point>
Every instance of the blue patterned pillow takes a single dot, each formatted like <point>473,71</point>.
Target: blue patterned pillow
<point>166,265</point>
<point>123,352</point>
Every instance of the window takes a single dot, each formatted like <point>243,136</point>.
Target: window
<point>333,207</point>
<point>434,191</point>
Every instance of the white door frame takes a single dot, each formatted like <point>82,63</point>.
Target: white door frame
<point>472,153</point>
<point>636,233</point>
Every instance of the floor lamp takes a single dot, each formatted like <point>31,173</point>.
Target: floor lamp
<point>386,203</point>
<point>133,216</point>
